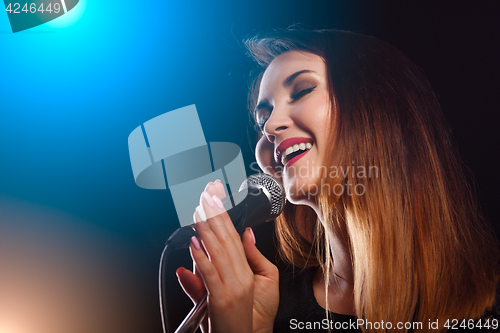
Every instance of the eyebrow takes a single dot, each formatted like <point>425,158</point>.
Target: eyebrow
<point>287,83</point>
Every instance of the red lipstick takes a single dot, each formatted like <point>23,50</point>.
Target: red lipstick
<point>282,147</point>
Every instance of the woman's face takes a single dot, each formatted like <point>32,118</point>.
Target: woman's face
<point>293,109</point>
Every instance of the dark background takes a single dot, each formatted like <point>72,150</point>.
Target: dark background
<point>79,242</point>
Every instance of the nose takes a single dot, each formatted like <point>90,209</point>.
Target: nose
<point>277,123</point>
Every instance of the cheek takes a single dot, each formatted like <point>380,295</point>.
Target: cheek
<point>264,154</point>
<point>314,114</point>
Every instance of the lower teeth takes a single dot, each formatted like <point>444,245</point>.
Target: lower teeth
<point>292,155</point>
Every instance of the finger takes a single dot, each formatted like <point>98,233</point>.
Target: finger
<point>207,270</point>
<point>210,242</point>
<point>216,207</point>
<point>222,226</point>
<point>257,261</point>
<point>222,242</point>
<point>208,238</point>
<point>213,206</point>
<point>220,189</point>
<point>199,215</point>
<point>216,188</point>
<point>196,270</point>
<point>192,285</point>
<point>208,185</point>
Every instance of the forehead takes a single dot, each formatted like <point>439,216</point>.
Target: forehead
<point>288,63</point>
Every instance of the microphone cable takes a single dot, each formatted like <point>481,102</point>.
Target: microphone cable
<point>180,239</point>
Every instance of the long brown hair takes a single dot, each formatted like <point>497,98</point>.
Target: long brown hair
<point>420,248</point>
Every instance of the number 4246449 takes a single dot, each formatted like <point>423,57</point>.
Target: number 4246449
<point>16,8</point>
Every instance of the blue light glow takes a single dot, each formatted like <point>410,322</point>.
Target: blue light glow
<point>70,17</point>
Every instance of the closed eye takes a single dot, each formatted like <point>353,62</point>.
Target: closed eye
<point>302,93</point>
<point>261,115</point>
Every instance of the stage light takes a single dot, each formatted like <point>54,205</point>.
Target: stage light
<point>71,17</point>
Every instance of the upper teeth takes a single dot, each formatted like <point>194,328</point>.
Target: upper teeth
<point>295,147</point>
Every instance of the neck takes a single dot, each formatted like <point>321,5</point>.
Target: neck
<point>339,249</point>
<point>340,277</point>
<point>341,258</point>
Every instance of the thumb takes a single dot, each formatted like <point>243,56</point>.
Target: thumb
<point>258,263</point>
<point>192,284</point>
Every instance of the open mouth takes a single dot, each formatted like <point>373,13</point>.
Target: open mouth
<point>294,152</point>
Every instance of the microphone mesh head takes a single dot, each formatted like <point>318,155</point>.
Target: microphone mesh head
<point>272,186</point>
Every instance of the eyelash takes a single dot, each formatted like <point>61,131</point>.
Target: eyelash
<point>259,127</point>
<point>302,93</point>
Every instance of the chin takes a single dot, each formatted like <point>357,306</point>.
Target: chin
<point>301,191</point>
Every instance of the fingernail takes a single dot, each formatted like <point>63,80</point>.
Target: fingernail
<point>201,213</point>
<point>180,270</point>
<point>253,235</point>
<point>208,199</point>
<point>218,202</point>
<point>208,185</point>
<point>195,242</point>
<point>217,181</point>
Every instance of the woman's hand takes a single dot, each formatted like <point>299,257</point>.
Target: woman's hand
<point>242,284</point>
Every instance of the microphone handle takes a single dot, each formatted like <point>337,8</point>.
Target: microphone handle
<point>194,318</point>
<point>251,211</point>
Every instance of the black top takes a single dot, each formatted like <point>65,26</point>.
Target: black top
<point>299,311</point>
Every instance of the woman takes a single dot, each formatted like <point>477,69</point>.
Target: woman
<point>380,215</point>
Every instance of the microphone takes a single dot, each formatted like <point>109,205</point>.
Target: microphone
<point>263,201</point>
